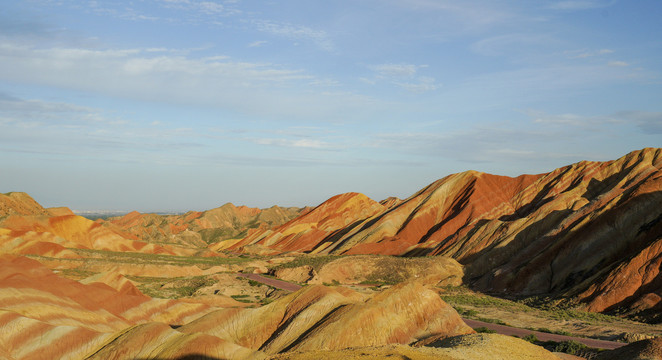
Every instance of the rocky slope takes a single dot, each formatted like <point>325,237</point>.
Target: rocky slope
<point>54,236</point>
<point>306,233</point>
<point>468,347</point>
<point>43,315</point>
<point>580,230</point>
<point>199,229</point>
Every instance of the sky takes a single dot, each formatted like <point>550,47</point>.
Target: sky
<point>172,105</point>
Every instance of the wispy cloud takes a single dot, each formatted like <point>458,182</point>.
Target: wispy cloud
<point>257,43</point>
<point>32,113</point>
<point>648,122</point>
<point>618,63</point>
<point>64,130</point>
<point>294,143</point>
<point>176,77</point>
<point>296,32</point>
<point>396,69</point>
<point>645,121</point>
<point>402,75</point>
<point>511,44</point>
<point>582,54</point>
<point>580,4</point>
<point>463,16</point>
<point>481,144</point>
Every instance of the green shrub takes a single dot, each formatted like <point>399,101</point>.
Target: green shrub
<point>484,330</point>
<point>532,338</point>
<point>571,347</point>
<point>492,321</point>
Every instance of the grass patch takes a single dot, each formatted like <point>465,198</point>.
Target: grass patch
<point>484,330</point>
<point>568,314</point>
<point>242,298</point>
<point>191,285</point>
<point>557,332</point>
<point>492,321</point>
<point>159,259</point>
<point>75,274</point>
<point>217,234</point>
<point>571,347</point>
<point>170,288</point>
<point>484,301</point>
<point>315,261</point>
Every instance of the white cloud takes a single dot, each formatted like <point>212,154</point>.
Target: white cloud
<point>34,112</point>
<point>402,75</point>
<point>210,8</point>
<point>396,69</point>
<point>463,16</point>
<point>511,44</point>
<point>180,78</point>
<point>496,143</point>
<point>423,84</point>
<point>580,4</point>
<point>257,43</point>
<point>618,63</point>
<point>296,32</point>
<point>648,122</point>
<point>296,143</point>
<point>586,54</point>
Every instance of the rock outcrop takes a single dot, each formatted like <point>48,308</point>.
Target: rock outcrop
<point>43,315</point>
<point>576,231</point>
<point>649,349</point>
<point>367,269</point>
<point>200,228</point>
<point>319,317</point>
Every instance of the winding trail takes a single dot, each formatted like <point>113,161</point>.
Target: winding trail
<point>501,329</point>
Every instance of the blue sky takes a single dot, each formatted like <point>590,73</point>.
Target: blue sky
<point>186,104</point>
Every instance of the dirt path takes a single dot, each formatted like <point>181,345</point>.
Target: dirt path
<point>501,329</point>
<point>543,336</point>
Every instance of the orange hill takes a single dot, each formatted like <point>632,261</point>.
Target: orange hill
<point>199,229</point>
<point>45,316</point>
<point>576,231</point>
<point>27,228</point>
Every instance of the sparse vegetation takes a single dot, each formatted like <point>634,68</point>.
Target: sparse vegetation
<point>316,261</point>
<point>571,347</point>
<point>170,288</point>
<point>532,338</point>
<point>470,313</point>
<point>568,314</point>
<point>161,259</point>
<point>75,274</point>
<point>484,330</point>
<point>558,332</point>
<point>492,321</point>
<point>483,301</point>
<point>242,298</point>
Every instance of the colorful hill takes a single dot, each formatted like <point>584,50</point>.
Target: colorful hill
<point>577,231</point>
<point>199,229</point>
<point>43,315</point>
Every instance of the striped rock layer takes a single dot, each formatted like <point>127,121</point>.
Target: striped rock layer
<point>45,316</point>
<point>591,230</point>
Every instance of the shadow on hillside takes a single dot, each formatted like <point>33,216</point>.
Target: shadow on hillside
<point>548,258</point>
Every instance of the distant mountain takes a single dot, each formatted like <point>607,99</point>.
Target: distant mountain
<point>28,228</point>
<point>592,230</point>
<point>199,228</point>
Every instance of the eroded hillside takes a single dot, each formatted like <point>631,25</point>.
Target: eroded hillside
<point>573,232</point>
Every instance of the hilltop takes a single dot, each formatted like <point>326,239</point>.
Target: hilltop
<point>378,276</point>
